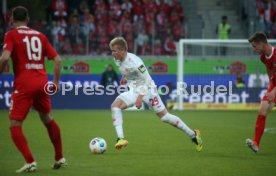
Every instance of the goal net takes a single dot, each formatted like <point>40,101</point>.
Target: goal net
<point>218,74</point>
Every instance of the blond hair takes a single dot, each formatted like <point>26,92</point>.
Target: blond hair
<point>120,42</point>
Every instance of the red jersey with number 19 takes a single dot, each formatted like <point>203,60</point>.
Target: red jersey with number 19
<point>28,50</point>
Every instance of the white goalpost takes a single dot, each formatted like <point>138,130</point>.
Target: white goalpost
<point>203,48</point>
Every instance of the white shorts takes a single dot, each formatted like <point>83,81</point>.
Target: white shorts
<point>153,100</point>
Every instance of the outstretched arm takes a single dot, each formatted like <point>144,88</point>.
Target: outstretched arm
<point>57,70</point>
<point>271,95</point>
<point>139,101</point>
<point>123,80</point>
<point>4,60</point>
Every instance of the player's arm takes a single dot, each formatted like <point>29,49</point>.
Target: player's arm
<point>142,90</point>
<point>4,60</point>
<point>271,95</point>
<point>139,101</point>
<point>269,75</point>
<point>57,70</point>
<point>52,54</point>
<point>272,81</point>
<point>123,80</point>
<point>7,49</point>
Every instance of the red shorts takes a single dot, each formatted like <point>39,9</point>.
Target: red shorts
<point>269,89</point>
<point>21,102</point>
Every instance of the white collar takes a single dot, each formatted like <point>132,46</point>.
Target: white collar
<point>270,56</point>
<point>22,27</point>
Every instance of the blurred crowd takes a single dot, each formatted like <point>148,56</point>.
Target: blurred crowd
<point>87,26</point>
<point>267,14</point>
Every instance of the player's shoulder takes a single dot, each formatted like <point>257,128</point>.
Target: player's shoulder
<point>134,58</point>
<point>10,32</point>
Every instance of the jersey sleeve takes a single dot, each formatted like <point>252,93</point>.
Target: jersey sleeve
<point>8,42</point>
<point>147,84</point>
<point>50,50</point>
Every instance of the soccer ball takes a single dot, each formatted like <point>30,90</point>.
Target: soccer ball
<point>97,145</point>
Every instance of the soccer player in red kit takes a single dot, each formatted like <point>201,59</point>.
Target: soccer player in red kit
<point>27,48</point>
<point>268,57</point>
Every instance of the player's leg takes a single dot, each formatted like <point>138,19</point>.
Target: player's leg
<point>42,105</point>
<point>123,101</point>
<point>155,102</point>
<point>20,105</point>
<point>260,125</point>
<point>55,137</point>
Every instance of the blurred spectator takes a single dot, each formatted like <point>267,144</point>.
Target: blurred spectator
<point>114,11</point>
<point>83,6</point>
<point>257,82</point>
<point>223,31</point>
<point>88,22</point>
<point>178,31</point>
<point>158,49</point>
<point>267,12</point>
<point>126,25</point>
<point>81,23</point>
<point>178,9</point>
<point>59,8</point>
<point>130,39</point>
<point>58,33</point>
<point>137,10</point>
<point>272,33</point>
<point>104,40</point>
<point>113,29</point>
<point>142,42</point>
<point>66,47</point>
<point>174,18</point>
<point>109,77</point>
<point>163,6</point>
<point>74,14</point>
<point>239,82</point>
<point>127,6</point>
<point>101,12</point>
<point>169,46</point>
<point>160,18</point>
<point>76,36</point>
<point>2,31</point>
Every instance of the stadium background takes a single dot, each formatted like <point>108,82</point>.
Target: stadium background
<point>81,30</point>
<point>81,36</point>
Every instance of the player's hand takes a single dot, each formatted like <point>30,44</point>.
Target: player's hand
<point>139,101</point>
<point>55,87</point>
<point>123,81</point>
<point>270,96</point>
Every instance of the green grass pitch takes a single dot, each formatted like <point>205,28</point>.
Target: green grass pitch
<point>155,148</point>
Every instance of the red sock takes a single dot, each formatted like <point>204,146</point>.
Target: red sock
<point>54,134</point>
<point>259,128</point>
<point>21,143</point>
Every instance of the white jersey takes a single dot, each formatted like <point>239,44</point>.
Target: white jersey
<point>136,73</point>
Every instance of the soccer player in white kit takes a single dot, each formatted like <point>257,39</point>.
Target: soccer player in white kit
<point>141,89</point>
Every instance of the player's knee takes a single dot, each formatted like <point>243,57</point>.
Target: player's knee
<point>263,110</point>
<point>118,104</point>
<point>162,114</point>
<point>114,105</point>
<point>45,117</point>
<point>15,123</point>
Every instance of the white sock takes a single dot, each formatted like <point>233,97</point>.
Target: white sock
<point>117,120</point>
<point>177,122</point>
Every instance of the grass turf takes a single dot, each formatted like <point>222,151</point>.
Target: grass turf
<point>154,148</point>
